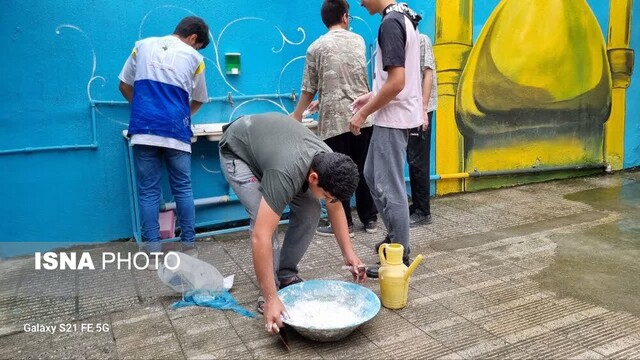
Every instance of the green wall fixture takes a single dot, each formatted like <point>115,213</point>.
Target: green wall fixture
<point>232,61</point>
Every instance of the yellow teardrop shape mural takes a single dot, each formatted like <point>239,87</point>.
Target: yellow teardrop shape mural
<point>536,88</point>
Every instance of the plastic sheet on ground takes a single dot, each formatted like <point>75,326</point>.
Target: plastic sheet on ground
<point>221,300</point>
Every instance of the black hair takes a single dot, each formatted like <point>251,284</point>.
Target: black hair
<point>193,25</point>
<point>332,11</point>
<point>337,174</point>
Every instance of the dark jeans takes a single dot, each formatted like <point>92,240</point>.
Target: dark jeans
<point>148,161</point>
<point>356,148</point>
<point>419,159</point>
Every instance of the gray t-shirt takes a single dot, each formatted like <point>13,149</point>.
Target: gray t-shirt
<point>278,150</point>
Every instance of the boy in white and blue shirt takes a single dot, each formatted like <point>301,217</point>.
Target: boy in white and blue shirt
<point>164,81</point>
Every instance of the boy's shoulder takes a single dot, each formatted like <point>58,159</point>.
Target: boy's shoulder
<point>332,37</point>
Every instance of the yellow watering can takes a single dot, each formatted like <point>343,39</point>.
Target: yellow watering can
<point>394,275</point>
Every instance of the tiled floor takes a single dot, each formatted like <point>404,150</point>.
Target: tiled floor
<point>502,278</point>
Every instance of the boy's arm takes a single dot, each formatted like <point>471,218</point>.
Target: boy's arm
<point>126,90</point>
<point>195,106</point>
<point>199,94</point>
<point>389,90</point>
<point>262,252</point>
<point>128,75</point>
<point>340,227</point>
<point>310,81</point>
<point>427,82</point>
<point>305,99</point>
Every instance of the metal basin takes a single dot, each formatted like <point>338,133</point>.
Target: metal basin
<point>328,310</point>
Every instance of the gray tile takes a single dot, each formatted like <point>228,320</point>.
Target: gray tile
<point>461,336</point>
<point>551,345</point>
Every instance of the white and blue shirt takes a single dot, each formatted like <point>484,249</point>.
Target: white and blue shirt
<point>166,74</point>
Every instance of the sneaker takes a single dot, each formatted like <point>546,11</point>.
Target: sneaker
<point>386,240</point>
<point>292,280</point>
<point>371,227</point>
<point>417,219</point>
<point>328,231</point>
<point>190,250</point>
<point>372,271</point>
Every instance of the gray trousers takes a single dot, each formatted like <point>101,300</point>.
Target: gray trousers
<point>384,172</point>
<point>303,217</point>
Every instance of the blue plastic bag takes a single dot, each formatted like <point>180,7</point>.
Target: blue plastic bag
<point>221,300</point>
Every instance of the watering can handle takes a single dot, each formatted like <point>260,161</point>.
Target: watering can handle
<point>381,254</point>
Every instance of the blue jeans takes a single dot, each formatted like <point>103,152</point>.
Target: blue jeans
<point>148,162</point>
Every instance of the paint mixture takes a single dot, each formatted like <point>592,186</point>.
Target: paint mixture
<point>322,314</point>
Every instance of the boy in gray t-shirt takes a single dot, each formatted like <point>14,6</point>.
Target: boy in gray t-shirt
<point>271,161</point>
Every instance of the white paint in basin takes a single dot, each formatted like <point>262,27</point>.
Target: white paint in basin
<point>321,314</point>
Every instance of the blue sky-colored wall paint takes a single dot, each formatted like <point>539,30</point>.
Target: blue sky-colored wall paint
<point>632,131</point>
<point>57,56</point>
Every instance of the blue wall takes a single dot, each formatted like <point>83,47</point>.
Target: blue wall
<point>59,56</point>
<point>632,125</point>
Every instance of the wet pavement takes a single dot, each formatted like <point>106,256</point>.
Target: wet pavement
<point>544,270</point>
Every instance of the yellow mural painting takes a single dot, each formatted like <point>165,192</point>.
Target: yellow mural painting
<point>621,60</point>
<point>453,40</point>
<point>535,90</point>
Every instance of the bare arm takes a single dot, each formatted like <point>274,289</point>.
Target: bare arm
<point>305,100</point>
<point>195,106</point>
<point>262,251</point>
<point>427,82</point>
<point>339,225</point>
<point>389,90</point>
<point>126,90</point>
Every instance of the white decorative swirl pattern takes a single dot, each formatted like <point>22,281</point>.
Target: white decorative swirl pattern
<point>93,56</point>
<point>282,73</point>
<point>284,110</point>
<point>202,160</point>
<point>216,43</point>
<point>285,40</point>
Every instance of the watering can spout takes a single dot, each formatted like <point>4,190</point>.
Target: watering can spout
<point>412,267</point>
